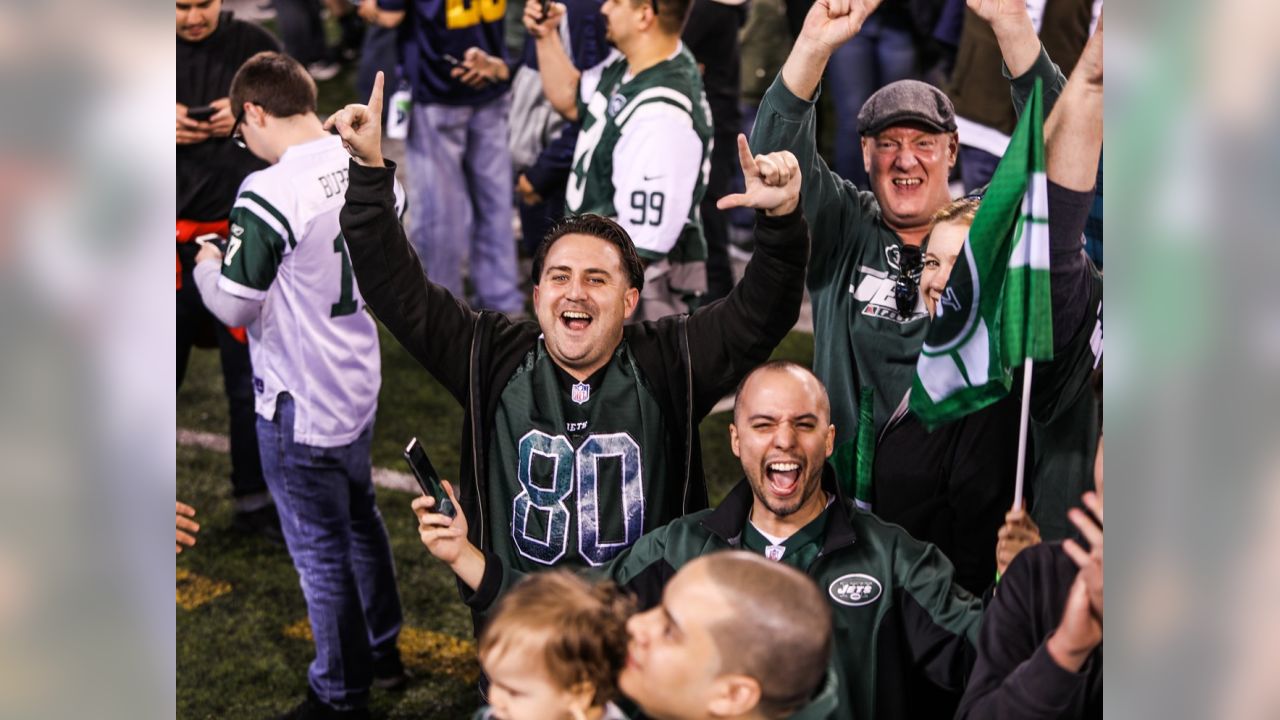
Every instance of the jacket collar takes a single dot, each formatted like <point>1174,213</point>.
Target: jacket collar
<point>823,704</point>
<point>730,516</point>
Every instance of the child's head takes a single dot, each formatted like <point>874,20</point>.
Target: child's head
<point>555,643</point>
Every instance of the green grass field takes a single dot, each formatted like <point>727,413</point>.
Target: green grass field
<point>243,641</point>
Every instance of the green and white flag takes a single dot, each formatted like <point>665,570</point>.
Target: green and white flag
<point>995,312</point>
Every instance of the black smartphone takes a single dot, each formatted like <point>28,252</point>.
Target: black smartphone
<point>451,59</point>
<point>201,113</point>
<point>213,239</point>
<point>428,480</point>
<point>546,6</point>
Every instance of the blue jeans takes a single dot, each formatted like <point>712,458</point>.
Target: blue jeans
<point>459,174</point>
<point>878,55</point>
<point>340,548</point>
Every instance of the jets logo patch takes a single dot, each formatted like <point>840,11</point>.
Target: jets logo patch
<point>855,590</point>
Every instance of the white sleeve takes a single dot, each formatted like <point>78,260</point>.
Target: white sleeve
<point>590,78</point>
<point>231,310</point>
<point>656,166</point>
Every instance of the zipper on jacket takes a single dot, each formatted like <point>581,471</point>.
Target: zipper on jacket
<point>475,434</point>
<point>688,409</point>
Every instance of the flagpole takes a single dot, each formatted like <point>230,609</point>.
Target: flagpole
<point>1022,434</point>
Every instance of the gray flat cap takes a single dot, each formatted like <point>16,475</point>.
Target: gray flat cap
<point>907,101</point>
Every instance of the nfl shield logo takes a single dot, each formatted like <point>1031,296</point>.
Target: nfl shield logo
<point>774,552</point>
<point>580,393</point>
<point>616,102</point>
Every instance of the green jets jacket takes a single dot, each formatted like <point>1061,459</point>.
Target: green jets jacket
<point>899,616</point>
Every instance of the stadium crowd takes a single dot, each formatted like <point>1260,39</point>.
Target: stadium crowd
<point>917,532</point>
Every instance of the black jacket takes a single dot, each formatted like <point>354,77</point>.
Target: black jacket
<point>690,360</point>
<point>210,172</point>
<point>1014,676</point>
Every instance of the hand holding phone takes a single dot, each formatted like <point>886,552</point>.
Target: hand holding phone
<point>201,113</point>
<point>427,478</point>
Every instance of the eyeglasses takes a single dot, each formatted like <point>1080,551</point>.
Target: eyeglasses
<point>906,289</point>
<point>236,136</point>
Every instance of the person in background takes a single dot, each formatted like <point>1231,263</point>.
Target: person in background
<point>212,44</point>
<point>643,153</point>
<point>287,276</point>
<point>711,34</point>
<point>458,160</point>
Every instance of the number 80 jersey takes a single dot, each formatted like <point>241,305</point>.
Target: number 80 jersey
<point>312,338</point>
<point>577,471</point>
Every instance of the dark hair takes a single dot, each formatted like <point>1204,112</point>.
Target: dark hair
<point>773,365</point>
<point>672,14</point>
<point>275,82</point>
<point>780,630</point>
<point>581,628</point>
<point>596,226</point>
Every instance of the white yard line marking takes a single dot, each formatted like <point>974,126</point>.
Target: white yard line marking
<point>382,477</point>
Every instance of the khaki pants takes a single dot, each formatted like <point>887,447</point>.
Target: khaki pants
<point>671,289</point>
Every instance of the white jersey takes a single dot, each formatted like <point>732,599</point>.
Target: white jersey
<point>313,338</point>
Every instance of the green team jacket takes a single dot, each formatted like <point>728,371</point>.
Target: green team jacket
<point>861,338</point>
<point>898,612</point>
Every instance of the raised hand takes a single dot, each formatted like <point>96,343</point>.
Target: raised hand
<point>1079,631</point>
<point>1018,533</point>
<point>999,11</point>
<point>538,25</point>
<point>360,127</point>
<point>444,536</point>
<point>1090,562</point>
<point>830,23</point>
<point>772,182</point>
<point>1090,63</point>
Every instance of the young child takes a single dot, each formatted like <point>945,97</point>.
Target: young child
<point>554,649</point>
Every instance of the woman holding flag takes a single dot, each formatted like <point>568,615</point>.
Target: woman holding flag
<point>1005,280</point>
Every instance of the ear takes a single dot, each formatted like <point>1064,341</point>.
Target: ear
<point>831,439</point>
<point>630,299</point>
<point>733,439</point>
<point>734,696</point>
<point>867,146</point>
<point>535,299</point>
<point>953,148</point>
<point>580,699</point>
<point>255,114</point>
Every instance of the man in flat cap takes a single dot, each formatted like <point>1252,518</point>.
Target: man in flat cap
<point>868,314</point>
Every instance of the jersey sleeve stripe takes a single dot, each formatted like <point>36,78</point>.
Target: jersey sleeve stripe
<point>242,291</point>
<point>655,93</point>
<point>284,229</point>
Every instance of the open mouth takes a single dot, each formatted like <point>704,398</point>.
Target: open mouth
<point>575,320</point>
<point>783,477</point>
<point>907,183</point>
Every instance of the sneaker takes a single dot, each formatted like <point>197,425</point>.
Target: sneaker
<point>264,521</point>
<point>324,70</point>
<point>390,674</point>
<point>313,709</point>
